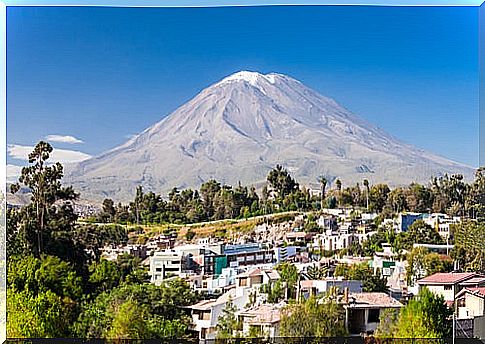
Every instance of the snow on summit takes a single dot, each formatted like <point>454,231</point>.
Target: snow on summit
<point>230,133</point>
<point>251,77</point>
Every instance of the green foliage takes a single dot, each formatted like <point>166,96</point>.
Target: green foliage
<point>418,233</point>
<point>313,318</point>
<point>275,291</point>
<point>159,307</point>
<point>227,324</point>
<point>129,321</point>
<point>35,276</point>
<point>426,316</point>
<point>56,289</point>
<point>104,275</point>
<point>190,234</point>
<point>289,276</point>
<point>40,315</point>
<point>317,272</point>
<point>362,272</point>
<point>387,323</point>
<point>469,249</point>
<point>422,263</point>
<point>35,222</point>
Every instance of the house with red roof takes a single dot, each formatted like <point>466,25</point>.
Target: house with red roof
<point>447,284</point>
<point>471,303</point>
<point>470,310</point>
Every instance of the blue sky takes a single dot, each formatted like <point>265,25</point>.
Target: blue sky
<point>100,75</point>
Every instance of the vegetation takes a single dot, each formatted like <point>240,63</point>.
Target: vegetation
<point>59,286</point>
<point>469,250</point>
<point>227,324</point>
<point>362,272</point>
<point>426,316</point>
<point>313,318</point>
<point>215,201</point>
<point>422,263</point>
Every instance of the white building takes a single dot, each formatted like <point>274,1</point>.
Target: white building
<point>164,264</point>
<point>441,223</point>
<point>334,240</point>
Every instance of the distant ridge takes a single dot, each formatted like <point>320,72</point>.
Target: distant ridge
<point>240,128</point>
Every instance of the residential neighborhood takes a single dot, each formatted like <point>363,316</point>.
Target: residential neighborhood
<point>239,273</point>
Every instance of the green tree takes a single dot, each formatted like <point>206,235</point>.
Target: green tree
<point>378,195</point>
<point>362,272</point>
<point>161,310</point>
<point>227,324</point>
<point>469,249</point>
<point>41,315</point>
<point>104,275</point>
<point>36,276</point>
<point>313,318</point>
<point>281,181</point>
<point>129,321</point>
<point>44,184</point>
<point>418,233</point>
<point>422,263</point>
<point>387,323</point>
<point>289,276</point>
<point>323,184</point>
<point>426,316</point>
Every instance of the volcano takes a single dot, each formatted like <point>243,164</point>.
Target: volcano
<point>239,128</point>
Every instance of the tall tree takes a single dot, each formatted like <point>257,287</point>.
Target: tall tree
<point>367,190</point>
<point>323,184</point>
<point>338,183</point>
<point>227,324</point>
<point>44,182</point>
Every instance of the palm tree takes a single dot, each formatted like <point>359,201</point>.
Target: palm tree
<point>323,184</point>
<point>366,184</point>
<point>339,188</point>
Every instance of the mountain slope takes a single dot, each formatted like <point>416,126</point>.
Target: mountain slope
<point>240,128</point>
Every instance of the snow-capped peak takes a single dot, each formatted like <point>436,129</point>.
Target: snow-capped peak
<point>251,77</point>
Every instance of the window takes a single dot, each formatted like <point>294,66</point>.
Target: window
<point>448,287</point>
<point>461,302</point>
<point>373,316</point>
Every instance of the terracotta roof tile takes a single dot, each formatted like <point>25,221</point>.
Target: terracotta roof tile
<point>447,278</point>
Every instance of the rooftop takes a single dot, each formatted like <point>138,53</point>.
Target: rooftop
<point>264,314</point>
<point>447,278</point>
<point>480,292</point>
<point>373,300</point>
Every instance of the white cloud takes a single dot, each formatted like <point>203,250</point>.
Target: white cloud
<point>58,155</point>
<point>13,173</point>
<point>63,139</point>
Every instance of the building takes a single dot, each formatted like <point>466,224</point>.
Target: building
<point>470,303</point>
<point>164,264</point>
<point>441,223</point>
<point>293,238</point>
<point>263,320</point>
<point>334,240</point>
<point>470,311</point>
<point>317,287</point>
<point>205,314</point>
<point>407,219</point>
<point>254,278</point>
<point>447,284</point>
<point>363,311</point>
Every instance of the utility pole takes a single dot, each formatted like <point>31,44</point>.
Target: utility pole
<point>453,327</point>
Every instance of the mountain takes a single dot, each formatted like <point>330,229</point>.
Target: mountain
<point>241,127</point>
